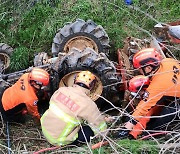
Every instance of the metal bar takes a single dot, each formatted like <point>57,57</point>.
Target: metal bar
<point>5,76</point>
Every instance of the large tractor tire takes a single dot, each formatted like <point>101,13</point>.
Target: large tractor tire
<point>5,53</point>
<point>81,34</point>
<point>104,70</point>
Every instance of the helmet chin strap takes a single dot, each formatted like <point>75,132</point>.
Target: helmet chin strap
<point>82,85</point>
<point>144,72</point>
<point>154,69</point>
<point>33,85</point>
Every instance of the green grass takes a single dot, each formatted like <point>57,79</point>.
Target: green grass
<point>30,28</point>
<point>130,146</point>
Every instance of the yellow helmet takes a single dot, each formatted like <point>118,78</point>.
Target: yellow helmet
<point>86,78</point>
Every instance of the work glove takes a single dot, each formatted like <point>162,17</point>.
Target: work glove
<point>122,134</point>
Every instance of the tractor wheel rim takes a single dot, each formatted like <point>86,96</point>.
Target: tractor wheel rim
<point>80,42</point>
<point>68,80</point>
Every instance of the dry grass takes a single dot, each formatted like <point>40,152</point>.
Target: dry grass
<point>27,138</point>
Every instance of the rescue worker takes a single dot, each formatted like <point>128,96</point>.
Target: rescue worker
<point>164,88</point>
<point>70,107</point>
<point>23,96</point>
<point>137,86</point>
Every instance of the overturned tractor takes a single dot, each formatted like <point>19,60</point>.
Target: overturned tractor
<point>84,45</point>
<point>79,45</point>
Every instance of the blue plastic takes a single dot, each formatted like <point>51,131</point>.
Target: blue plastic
<point>128,2</point>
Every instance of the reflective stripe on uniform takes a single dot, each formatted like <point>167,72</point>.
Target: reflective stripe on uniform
<point>63,116</point>
<point>62,138</point>
<point>51,139</point>
<point>71,123</point>
<point>102,126</point>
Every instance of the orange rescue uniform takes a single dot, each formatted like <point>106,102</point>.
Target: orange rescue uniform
<point>165,82</point>
<point>21,92</point>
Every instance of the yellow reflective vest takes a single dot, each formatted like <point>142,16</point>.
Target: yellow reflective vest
<point>69,107</point>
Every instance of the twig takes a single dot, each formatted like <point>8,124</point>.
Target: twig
<point>100,144</point>
<point>46,149</point>
<point>169,146</point>
<point>29,138</point>
<point>150,135</point>
<point>8,139</point>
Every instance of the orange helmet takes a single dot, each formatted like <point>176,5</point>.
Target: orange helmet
<point>138,82</point>
<point>145,57</point>
<point>40,76</point>
<point>86,78</point>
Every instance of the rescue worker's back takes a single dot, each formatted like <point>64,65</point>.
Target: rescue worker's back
<point>69,106</point>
